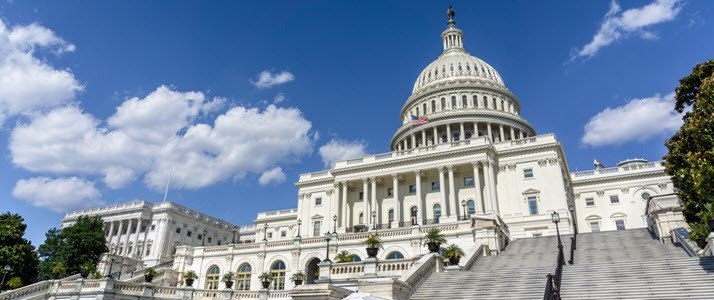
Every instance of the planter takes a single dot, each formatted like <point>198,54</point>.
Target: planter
<point>266,284</point>
<point>701,243</point>
<point>189,282</point>
<point>433,247</point>
<point>455,260</point>
<point>710,224</point>
<point>298,282</point>
<point>148,278</point>
<point>229,284</point>
<point>84,274</point>
<point>372,252</point>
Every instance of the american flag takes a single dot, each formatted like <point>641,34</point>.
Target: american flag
<point>419,120</point>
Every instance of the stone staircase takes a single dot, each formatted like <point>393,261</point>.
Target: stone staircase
<point>631,264</point>
<point>518,273</point>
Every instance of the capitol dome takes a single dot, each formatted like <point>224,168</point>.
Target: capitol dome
<point>459,97</point>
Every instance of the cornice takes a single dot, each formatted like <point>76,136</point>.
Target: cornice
<point>462,87</point>
<point>619,177</point>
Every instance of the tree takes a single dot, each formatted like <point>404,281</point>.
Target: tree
<point>690,160</point>
<point>16,251</point>
<point>68,251</point>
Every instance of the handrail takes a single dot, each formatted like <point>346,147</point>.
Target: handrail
<point>472,256</point>
<point>572,250</point>
<point>420,271</point>
<point>552,288</point>
<point>678,236</point>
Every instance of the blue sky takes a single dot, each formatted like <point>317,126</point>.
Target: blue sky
<point>99,102</point>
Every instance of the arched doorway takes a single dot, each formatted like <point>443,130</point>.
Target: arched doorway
<point>312,270</point>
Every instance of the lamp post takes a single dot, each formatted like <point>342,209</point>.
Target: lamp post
<point>111,263</point>
<point>233,240</point>
<point>299,222</point>
<point>555,217</point>
<point>571,208</point>
<point>5,270</point>
<point>328,237</point>
<point>203,241</point>
<point>334,226</point>
<point>463,203</point>
<point>265,232</point>
<point>374,215</point>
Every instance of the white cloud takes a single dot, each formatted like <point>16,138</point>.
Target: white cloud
<point>275,175</point>
<point>337,149</point>
<point>266,79</point>
<point>27,82</point>
<point>638,120</point>
<point>147,137</point>
<point>619,24</point>
<point>59,195</point>
<point>280,97</point>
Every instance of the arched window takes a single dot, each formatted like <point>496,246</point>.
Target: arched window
<point>460,69</point>
<point>243,277</point>
<point>453,102</point>
<point>212,277</point>
<point>423,108</point>
<point>433,106</point>
<point>456,135</point>
<point>485,102</point>
<point>417,111</point>
<point>355,258</point>
<point>451,67</point>
<point>395,255</point>
<point>443,103</point>
<point>277,270</point>
<point>464,101</point>
<point>468,135</point>
<point>413,213</point>
<point>471,206</point>
<point>475,99</point>
<point>390,215</point>
<point>360,220</point>
<point>468,67</point>
<point>437,212</point>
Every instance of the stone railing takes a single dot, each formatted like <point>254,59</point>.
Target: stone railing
<point>613,170</point>
<point>468,261</point>
<point>394,267</point>
<point>421,270</point>
<point>35,288</point>
<point>681,236</point>
<point>347,268</point>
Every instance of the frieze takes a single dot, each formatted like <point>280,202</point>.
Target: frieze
<point>542,162</point>
<point>662,186</point>
<point>601,193</point>
<point>625,190</point>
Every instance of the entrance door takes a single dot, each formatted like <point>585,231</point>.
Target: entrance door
<point>312,270</point>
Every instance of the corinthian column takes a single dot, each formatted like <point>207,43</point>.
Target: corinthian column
<point>452,192</point>
<point>488,202</point>
<point>397,203</point>
<point>365,205</point>
<point>420,211</point>
<point>373,207</point>
<point>345,218</point>
<point>478,206</point>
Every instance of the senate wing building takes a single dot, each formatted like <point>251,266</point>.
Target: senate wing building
<point>464,161</point>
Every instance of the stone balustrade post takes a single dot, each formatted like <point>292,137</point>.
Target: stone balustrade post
<point>370,266</point>
<point>325,271</point>
<point>263,294</point>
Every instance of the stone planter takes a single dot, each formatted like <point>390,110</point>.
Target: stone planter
<point>84,274</point>
<point>298,282</point>
<point>229,284</point>
<point>433,247</point>
<point>189,282</point>
<point>148,278</point>
<point>372,252</point>
<point>266,284</point>
<point>455,260</point>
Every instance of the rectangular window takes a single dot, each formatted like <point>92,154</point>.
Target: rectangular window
<point>153,227</point>
<point>148,249</point>
<point>620,224</point>
<point>283,234</point>
<point>188,233</point>
<point>318,201</point>
<point>200,236</point>
<point>412,189</point>
<point>594,226</point>
<point>390,192</point>
<point>533,205</point>
<point>316,228</point>
<point>143,228</point>
<point>435,186</point>
<point>614,199</point>
<point>270,235</point>
<point>210,240</point>
<point>468,181</point>
<point>361,195</point>
<point>590,201</point>
<point>527,173</point>
<point>178,230</point>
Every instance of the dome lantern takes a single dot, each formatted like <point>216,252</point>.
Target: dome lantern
<point>452,36</point>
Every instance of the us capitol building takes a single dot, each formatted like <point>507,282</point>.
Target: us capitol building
<point>464,161</point>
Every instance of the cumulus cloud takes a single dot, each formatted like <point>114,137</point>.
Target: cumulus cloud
<point>147,137</point>
<point>27,82</point>
<point>274,175</point>
<point>266,79</point>
<point>59,195</point>
<point>619,24</point>
<point>638,120</point>
<point>337,149</point>
<point>280,97</point>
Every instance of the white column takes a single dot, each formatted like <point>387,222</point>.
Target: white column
<point>448,133</point>
<point>463,134</point>
<point>442,186</point>
<point>452,191</point>
<point>136,238</point>
<point>126,239</point>
<point>345,218</point>
<point>397,202</point>
<point>488,202</point>
<point>420,212</point>
<point>475,130</point>
<point>121,227</point>
<point>301,198</point>
<point>423,137</point>
<point>520,134</point>
<point>477,189</point>
<point>513,134</point>
<point>413,140</point>
<point>335,206</point>
<point>373,207</point>
<point>436,136</point>
<point>365,205</point>
<point>490,135</point>
<point>500,128</point>
<point>111,235</point>
<point>494,191</point>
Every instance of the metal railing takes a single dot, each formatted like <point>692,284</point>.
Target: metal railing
<point>552,286</point>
